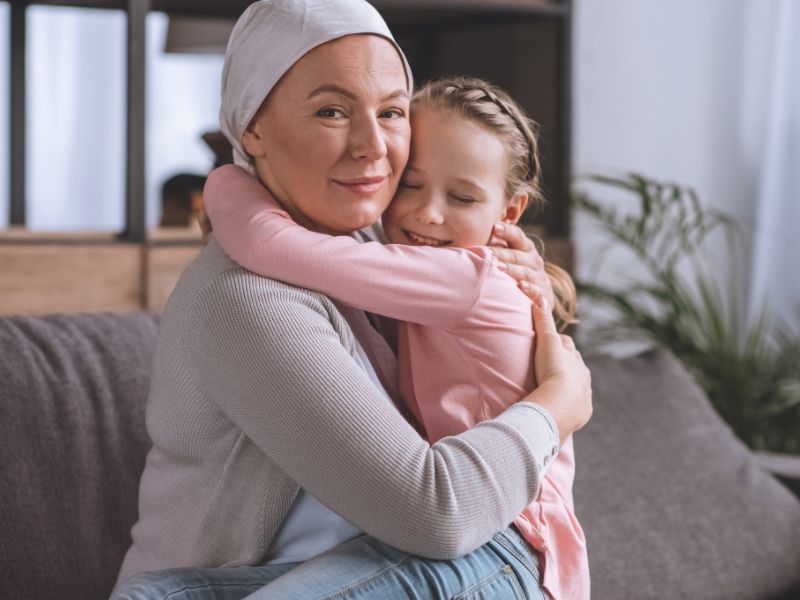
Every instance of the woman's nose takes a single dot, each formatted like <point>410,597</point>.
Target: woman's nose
<point>368,139</point>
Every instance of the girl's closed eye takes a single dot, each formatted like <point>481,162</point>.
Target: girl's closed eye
<point>463,199</point>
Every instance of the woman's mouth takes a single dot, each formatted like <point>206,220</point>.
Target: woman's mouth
<point>420,240</point>
<point>364,186</point>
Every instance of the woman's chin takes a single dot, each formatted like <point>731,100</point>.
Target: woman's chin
<point>365,214</point>
<point>346,224</point>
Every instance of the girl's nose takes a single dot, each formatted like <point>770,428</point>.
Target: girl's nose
<point>367,139</point>
<point>430,211</point>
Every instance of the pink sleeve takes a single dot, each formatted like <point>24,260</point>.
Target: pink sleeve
<point>429,286</point>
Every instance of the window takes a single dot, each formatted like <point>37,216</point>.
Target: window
<point>76,103</point>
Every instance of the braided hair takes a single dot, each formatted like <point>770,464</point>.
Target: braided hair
<point>492,108</point>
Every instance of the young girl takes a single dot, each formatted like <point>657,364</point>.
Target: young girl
<point>464,333</point>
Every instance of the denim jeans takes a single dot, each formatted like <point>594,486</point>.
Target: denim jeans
<point>362,568</point>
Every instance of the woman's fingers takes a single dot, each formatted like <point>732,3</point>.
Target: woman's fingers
<point>564,382</point>
<point>543,323</point>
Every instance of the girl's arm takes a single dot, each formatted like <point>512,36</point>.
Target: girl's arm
<point>429,286</point>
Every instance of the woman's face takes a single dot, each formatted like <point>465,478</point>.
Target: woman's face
<point>453,190</point>
<point>332,138</point>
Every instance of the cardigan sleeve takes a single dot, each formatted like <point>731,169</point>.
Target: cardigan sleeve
<point>429,286</point>
<point>276,360</point>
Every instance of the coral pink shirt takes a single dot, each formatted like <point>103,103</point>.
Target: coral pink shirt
<point>465,337</point>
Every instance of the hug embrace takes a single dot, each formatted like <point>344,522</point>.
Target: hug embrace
<point>359,388</point>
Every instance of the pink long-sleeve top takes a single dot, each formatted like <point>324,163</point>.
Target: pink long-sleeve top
<point>465,337</point>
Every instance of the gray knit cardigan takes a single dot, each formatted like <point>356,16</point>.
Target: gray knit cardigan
<point>255,393</point>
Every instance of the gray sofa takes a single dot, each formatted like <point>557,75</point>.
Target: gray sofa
<point>672,504</point>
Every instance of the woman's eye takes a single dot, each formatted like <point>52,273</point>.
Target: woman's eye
<point>463,199</point>
<point>393,113</point>
<point>330,113</point>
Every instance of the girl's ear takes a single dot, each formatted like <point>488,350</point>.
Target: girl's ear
<point>514,209</point>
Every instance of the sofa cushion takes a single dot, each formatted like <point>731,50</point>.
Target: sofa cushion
<point>72,428</point>
<point>672,504</point>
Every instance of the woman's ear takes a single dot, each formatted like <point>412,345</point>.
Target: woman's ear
<point>252,142</point>
<point>514,209</point>
<point>253,136</point>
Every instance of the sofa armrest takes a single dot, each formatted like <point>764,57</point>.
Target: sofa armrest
<point>785,467</point>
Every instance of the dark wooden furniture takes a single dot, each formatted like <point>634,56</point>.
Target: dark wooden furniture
<point>523,45</point>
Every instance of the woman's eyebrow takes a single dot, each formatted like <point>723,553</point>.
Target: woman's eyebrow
<point>397,94</point>
<point>337,89</point>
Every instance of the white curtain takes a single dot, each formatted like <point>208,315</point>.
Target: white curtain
<point>704,94</point>
<point>76,117</point>
<point>772,115</point>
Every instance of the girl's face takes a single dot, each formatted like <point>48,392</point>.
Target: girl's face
<point>453,189</point>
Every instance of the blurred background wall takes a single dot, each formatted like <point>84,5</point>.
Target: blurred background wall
<point>701,93</point>
<point>705,94</point>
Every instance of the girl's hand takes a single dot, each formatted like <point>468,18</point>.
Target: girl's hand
<point>519,257</point>
<point>565,383</point>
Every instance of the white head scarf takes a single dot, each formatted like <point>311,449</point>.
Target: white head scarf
<point>272,35</point>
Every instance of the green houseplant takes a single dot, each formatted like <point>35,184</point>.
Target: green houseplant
<point>751,372</point>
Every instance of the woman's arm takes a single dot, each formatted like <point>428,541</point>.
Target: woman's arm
<point>274,359</point>
<point>422,285</point>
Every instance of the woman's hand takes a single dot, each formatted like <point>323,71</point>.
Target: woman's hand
<point>518,256</point>
<point>565,384</point>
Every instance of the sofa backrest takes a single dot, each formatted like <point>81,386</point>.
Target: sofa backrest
<point>73,391</point>
<point>672,504</point>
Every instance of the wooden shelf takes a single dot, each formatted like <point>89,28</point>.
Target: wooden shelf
<point>522,45</point>
<point>21,235</point>
<point>157,236</point>
<point>233,8</point>
<point>90,271</point>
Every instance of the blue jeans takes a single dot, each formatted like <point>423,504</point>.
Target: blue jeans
<point>361,568</point>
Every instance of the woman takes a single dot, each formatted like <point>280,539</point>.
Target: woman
<point>266,409</point>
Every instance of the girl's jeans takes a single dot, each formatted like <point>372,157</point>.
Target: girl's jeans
<point>504,567</point>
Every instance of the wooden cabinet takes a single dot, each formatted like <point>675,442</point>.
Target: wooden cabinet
<point>522,45</point>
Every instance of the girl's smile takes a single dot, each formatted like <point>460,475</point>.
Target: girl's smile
<point>415,239</point>
<point>453,190</point>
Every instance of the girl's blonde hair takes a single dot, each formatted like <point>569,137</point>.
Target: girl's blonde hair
<point>491,107</point>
